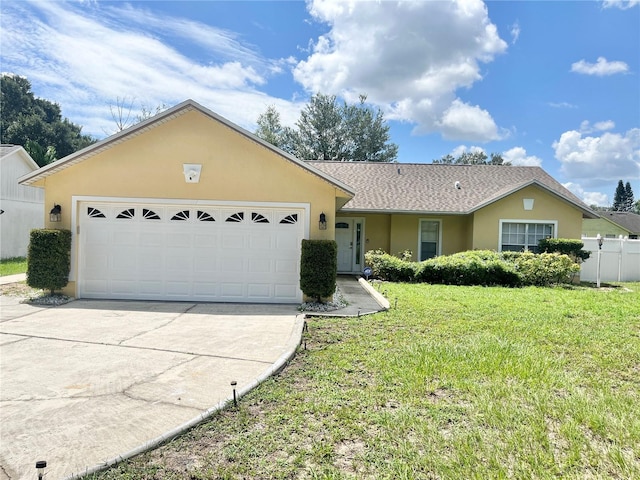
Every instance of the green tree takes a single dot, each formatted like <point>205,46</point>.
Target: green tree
<point>619,198</point>
<point>328,130</point>
<point>270,128</point>
<point>35,123</point>
<point>472,158</point>
<point>628,198</point>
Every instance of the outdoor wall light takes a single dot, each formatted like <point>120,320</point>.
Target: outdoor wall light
<point>40,466</point>
<point>323,222</point>
<point>55,215</point>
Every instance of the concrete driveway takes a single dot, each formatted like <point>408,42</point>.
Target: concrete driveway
<point>84,383</point>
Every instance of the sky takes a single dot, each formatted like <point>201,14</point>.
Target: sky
<point>545,83</point>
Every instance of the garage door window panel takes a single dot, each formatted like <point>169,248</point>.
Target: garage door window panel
<point>290,219</point>
<point>149,214</point>
<point>127,214</point>
<point>205,217</point>
<point>181,216</point>
<point>237,217</point>
<point>94,213</point>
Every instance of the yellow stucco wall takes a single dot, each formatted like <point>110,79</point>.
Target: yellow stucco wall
<point>399,232</point>
<point>546,207</point>
<point>150,166</point>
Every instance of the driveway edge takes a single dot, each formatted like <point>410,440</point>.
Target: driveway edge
<point>291,346</point>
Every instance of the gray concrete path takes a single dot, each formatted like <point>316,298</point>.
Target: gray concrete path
<point>86,383</point>
<point>19,277</point>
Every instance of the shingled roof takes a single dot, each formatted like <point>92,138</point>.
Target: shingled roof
<point>431,188</point>
<point>627,220</point>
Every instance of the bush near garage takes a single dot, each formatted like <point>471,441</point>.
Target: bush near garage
<point>476,267</point>
<point>318,268</point>
<point>49,259</point>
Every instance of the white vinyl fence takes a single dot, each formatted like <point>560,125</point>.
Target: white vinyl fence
<point>619,260</point>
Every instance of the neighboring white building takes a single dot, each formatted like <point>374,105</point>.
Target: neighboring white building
<point>21,207</point>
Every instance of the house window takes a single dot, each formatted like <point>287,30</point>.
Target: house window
<point>429,239</point>
<point>520,236</point>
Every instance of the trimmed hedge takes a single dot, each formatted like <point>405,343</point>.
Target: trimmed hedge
<point>318,268</point>
<point>476,267</point>
<point>49,259</point>
<point>567,246</point>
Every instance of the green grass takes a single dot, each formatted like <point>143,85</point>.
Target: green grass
<point>12,266</point>
<point>455,383</point>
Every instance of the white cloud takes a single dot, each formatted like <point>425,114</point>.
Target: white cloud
<point>586,127</point>
<point>462,121</point>
<point>460,149</point>
<point>590,198</point>
<point>561,105</point>
<point>85,55</point>
<point>517,156</point>
<point>621,4</point>
<point>515,32</point>
<point>601,68</point>
<point>594,160</point>
<point>410,58</point>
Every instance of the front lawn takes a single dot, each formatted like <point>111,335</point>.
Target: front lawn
<point>13,266</point>
<point>453,383</point>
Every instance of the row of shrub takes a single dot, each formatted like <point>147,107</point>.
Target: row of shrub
<point>477,267</point>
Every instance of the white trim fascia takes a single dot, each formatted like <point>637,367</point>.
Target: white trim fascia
<point>515,220</point>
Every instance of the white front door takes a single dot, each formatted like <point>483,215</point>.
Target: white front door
<point>350,240</point>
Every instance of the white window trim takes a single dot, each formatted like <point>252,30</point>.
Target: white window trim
<point>439,249</point>
<point>510,220</point>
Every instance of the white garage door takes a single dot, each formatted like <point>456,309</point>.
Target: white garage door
<point>183,252</point>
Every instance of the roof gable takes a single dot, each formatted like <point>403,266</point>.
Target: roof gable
<point>160,119</point>
<point>11,151</point>
<point>437,188</point>
<point>627,220</point>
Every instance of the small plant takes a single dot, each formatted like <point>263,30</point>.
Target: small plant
<point>318,268</point>
<point>567,246</point>
<point>388,267</point>
<point>49,259</point>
